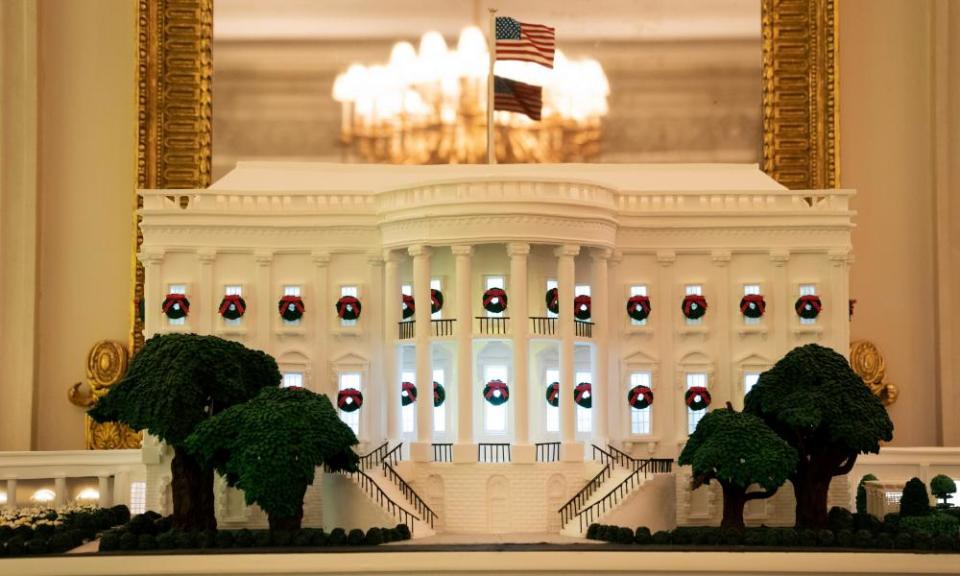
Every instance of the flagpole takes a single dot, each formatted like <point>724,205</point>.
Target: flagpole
<point>491,153</point>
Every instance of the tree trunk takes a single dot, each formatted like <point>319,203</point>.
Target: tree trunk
<point>192,487</point>
<point>734,499</point>
<point>810,487</point>
<point>288,523</point>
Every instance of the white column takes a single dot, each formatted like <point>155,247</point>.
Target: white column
<point>669,417</point>
<point>103,488</point>
<point>152,291</point>
<point>11,494</point>
<point>265,295</point>
<point>570,449</point>
<point>422,450</point>
<point>391,316</point>
<point>601,352</point>
<point>206,302</point>
<point>372,309</point>
<point>782,306</point>
<point>523,451</point>
<point>464,450</point>
<point>318,310</point>
<point>839,301</point>
<point>59,491</point>
<point>725,384</point>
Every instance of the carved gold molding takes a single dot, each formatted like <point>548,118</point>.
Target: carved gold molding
<point>866,360</point>
<point>106,365</point>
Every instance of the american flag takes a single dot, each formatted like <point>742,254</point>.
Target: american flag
<point>522,41</point>
<point>514,96</point>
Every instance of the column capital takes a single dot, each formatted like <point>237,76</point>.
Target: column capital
<point>206,255</point>
<point>152,256</point>
<point>666,257</point>
<point>320,258</point>
<point>601,254</point>
<point>518,249</point>
<point>374,259</point>
<point>839,256</point>
<point>392,256</point>
<point>418,250</point>
<point>566,250</point>
<point>263,257</point>
<point>779,257</point>
<point>462,250</point>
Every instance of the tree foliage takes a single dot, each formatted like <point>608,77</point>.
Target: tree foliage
<point>813,399</point>
<point>271,446</point>
<point>914,501</point>
<point>942,486</point>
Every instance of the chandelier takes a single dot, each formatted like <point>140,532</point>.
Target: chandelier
<point>428,106</point>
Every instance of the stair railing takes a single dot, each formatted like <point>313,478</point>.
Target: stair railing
<point>393,456</point>
<point>373,490</point>
<point>610,500</point>
<point>410,494</point>
<point>374,457</point>
<point>548,451</point>
<point>602,456</point>
<point>623,459</point>
<point>573,506</point>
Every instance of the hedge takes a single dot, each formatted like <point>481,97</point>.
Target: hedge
<point>74,528</point>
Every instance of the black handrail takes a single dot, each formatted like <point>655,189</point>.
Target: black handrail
<point>573,505</point>
<point>544,325</point>
<point>493,324</point>
<point>583,328</point>
<point>488,452</point>
<point>645,467</point>
<point>405,329</point>
<point>624,459</point>
<point>410,494</point>
<point>605,457</point>
<point>548,451</point>
<point>374,491</point>
<point>442,452</point>
<point>374,457</point>
<point>394,455</point>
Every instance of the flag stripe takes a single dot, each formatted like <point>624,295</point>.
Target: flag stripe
<point>525,42</point>
<point>514,96</point>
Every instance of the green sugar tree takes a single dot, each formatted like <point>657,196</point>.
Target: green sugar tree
<point>172,385</point>
<point>914,500</point>
<point>862,493</point>
<point>942,486</point>
<point>271,446</point>
<point>813,399</point>
<point>738,450</point>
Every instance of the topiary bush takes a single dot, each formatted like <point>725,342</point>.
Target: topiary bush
<point>355,537</point>
<point>592,531</point>
<point>338,537</point>
<point>662,537</point>
<point>374,537</point>
<point>942,487</point>
<point>864,539</point>
<point>884,541</point>
<point>862,493</point>
<point>914,501</point>
<point>642,535</point>
<point>935,523</point>
<point>404,531</point>
<point>840,519</point>
<point>825,537</point>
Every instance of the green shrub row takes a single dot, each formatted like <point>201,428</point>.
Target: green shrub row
<point>75,529</point>
<point>151,532</point>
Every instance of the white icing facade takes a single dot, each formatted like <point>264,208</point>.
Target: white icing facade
<point>323,231</point>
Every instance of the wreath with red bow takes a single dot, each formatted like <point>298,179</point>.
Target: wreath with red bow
<point>348,308</point>
<point>640,397</point>
<point>291,307</point>
<point>408,393</point>
<point>753,305</point>
<point>694,306</point>
<point>495,300</point>
<point>436,300</point>
<point>553,394</point>
<point>176,306</point>
<point>581,307</point>
<point>408,305</point>
<point>349,400</point>
<point>496,392</point>
<point>439,394</point>
<point>583,395</point>
<point>808,306</point>
<point>697,398</point>
<point>638,307</point>
<point>553,304</point>
<point>232,306</point>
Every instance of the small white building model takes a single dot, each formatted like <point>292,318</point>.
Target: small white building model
<point>644,249</point>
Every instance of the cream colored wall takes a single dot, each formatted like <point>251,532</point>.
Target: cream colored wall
<point>888,103</point>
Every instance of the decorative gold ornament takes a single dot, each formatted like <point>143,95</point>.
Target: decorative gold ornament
<point>106,365</point>
<point>868,363</point>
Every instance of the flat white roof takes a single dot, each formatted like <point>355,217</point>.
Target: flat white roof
<point>373,178</point>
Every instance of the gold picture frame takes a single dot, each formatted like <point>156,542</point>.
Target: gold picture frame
<point>799,83</point>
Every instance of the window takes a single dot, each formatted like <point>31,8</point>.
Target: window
<point>407,290</point>
<point>747,290</point>
<point>808,290</point>
<point>177,289</point>
<point>581,290</point>
<point>233,290</point>
<point>138,497</point>
<point>638,290</point>
<point>408,413</point>
<point>435,285</point>
<point>349,291</point>
<point>551,284</point>
<point>694,416</point>
<point>749,381</point>
<point>584,415</point>
<point>691,289</point>
<point>495,417</point>
<point>291,290</point>
<point>893,497</point>
<point>954,499</point>
<point>493,282</point>
<point>640,418</point>
<point>439,412</point>
<point>351,419</point>
<point>553,412</point>
<point>292,380</point>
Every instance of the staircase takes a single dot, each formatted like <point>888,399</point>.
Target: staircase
<point>382,484</point>
<point>620,477</point>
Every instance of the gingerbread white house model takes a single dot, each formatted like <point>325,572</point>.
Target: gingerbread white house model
<point>559,314</point>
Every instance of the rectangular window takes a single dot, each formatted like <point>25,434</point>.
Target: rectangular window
<point>495,417</point>
<point>638,290</point>
<point>138,497</point>
<point>584,415</point>
<point>893,497</point>
<point>435,285</point>
<point>640,418</point>
<point>349,291</point>
<point>551,284</point>
<point>351,419</point>
<point>291,290</point>
<point>439,412</point>
<point>691,289</point>
<point>292,380</point>
<point>494,282</point>
<point>408,414</point>
<point>233,290</point>
<point>694,416</point>
<point>177,289</point>
<point>749,380</point>
<point>808,290</point>
<point>751,289</point>
<point>553,412</point>
<point>954,499</point>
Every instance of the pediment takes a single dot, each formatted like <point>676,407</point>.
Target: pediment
<point>350,360</point>
<point>754,359</point>
<point>640,358</point>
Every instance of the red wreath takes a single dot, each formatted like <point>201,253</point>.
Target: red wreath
<point>436,300</point>
<point>640,397</point>
<point>638,307</point>
<point>496,392</point>
<point>408,393</point>
<point>232,306</point>
<point>694,306</point>
<point>553,394</point>
<point>349,400</point>
<point>583,395</point>
<point>348,308</point>
<point>176,306</point>
<point>495,300</point>
<point>808,306</point>
<point>753,305</point>
<point>697,398</point>
<point>408,305</point>
<point>581,307</point>
<point>553,300</point>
